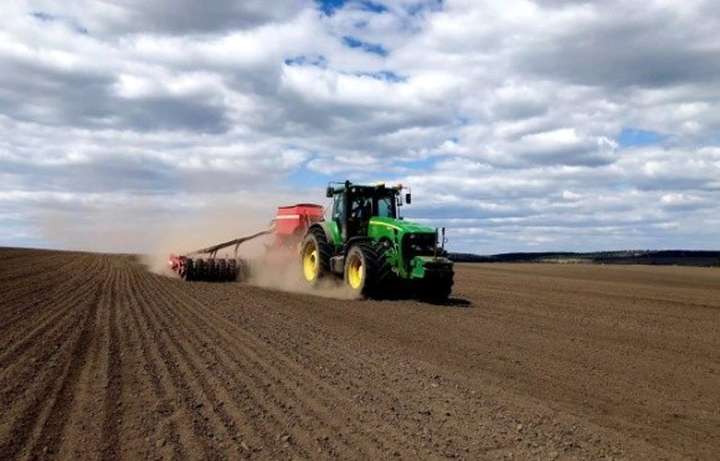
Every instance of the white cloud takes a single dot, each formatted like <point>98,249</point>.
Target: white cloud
<point>504,117</point>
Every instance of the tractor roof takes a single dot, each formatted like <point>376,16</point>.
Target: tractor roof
<point>337,188</point>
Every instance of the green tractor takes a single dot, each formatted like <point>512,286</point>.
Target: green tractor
<point>376,251</point>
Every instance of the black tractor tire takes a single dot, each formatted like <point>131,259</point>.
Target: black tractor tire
<point>373,270</point>
<point>316,251</point>
<point>436,288</point>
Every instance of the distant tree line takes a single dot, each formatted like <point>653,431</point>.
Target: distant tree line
<point>652,257</point>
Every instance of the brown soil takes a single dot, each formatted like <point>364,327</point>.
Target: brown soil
<point>100,359</point>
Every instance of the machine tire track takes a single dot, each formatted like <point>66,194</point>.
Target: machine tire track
<point>179,382</point>
<point>112,409</point>
<point>329,394</point>
<point>41,326</point>
<point>63,399</point>
<point>36,414</point>
<point>151,361</point>
<point>21,310</point>
<point>165,322</point>
<point>276,413</point>
<point>320,411</point>
<point>58,333</point>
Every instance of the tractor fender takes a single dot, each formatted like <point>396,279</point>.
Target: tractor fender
<point>357,239</point>
<point>322,225</point>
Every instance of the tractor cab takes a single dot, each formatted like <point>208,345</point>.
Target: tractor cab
<point>354,205</point>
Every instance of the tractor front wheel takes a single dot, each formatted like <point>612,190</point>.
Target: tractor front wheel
<point>365,270</point>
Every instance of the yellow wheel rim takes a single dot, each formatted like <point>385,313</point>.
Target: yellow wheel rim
<point>310,262</point>
<point>355,273</point>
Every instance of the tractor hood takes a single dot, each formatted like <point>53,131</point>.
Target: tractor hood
<point>415,254</point>
<point>400,225</point>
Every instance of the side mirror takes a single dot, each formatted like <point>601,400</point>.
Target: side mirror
<point>408,198</point>
<point>329,192</point>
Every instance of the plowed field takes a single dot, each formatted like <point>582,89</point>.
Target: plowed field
<point>100,359</point>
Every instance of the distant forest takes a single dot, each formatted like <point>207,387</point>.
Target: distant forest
<point>652,257</point>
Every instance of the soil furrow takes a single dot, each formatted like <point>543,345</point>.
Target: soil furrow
<point>85,416</point>
<point>294,441</point>
<point>62,400</point>
<point>21,364</point>
<point>200,429</point>
<point>304,395</point>
<point>327,352</point>
<point>113,379</point>
<point>52,386</point>
<point>253,380</point>
<point>44,272</point>
<point>53,310</point>
<point>14,271</point>
<point>174,424</point>
<point>25,304</point>
<point>100,359</point>
<point>188,365</point>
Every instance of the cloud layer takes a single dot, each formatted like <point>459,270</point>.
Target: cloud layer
<point>548,125</point>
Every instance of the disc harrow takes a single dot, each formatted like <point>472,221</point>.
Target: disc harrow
<point>212,269</point>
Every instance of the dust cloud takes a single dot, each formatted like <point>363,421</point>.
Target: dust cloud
<point>155,232</point>
<point>281,270</point>
<point>272,268</point>
<point>200,230</point>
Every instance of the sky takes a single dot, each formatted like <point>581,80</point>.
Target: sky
<point>540,125</point>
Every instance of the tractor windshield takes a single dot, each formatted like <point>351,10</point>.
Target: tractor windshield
<point>386,207</point>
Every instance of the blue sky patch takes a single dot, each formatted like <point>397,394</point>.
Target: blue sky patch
<point>302,60</point>
<point>425,164</point>
<point>372,6</point>
<point>631,137</point>
<point>385,75</point>
<point>374,48</point>
<point>47,17</point>
<point>304,177</point>
<point>330,6</point>
<point>420,7</point>
<point>44,17</point>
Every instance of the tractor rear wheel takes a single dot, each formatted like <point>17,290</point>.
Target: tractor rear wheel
<point>366,269</point>
<point>315,254</point>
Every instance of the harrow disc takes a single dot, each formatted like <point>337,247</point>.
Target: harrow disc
<point>242,271</point>
<point>214,270</point>
<point>232,271</point>
<point>222,269</point>
<point>189,273</point>
<point>211,270</point>
<point>201,273</point>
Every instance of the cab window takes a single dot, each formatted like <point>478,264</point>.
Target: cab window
<point>339,208</point>
<point>386,207</point>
